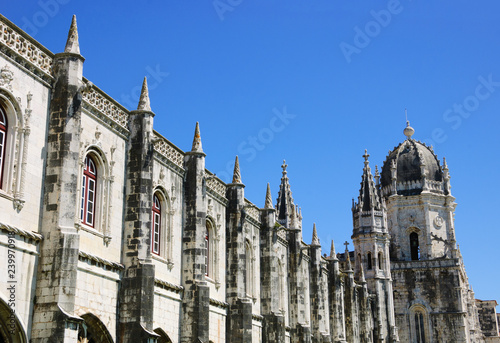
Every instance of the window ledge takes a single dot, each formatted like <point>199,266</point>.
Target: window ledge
<point>18,202</point>
<point>161,259</point>
<point>215,282</point>
<point>106,239</point>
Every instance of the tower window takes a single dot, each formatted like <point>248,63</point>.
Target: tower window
<point>414,246</point>
<point>207,247</point>
<point>380,260</point>
<point>369,261</point>
<point>156,232</point>
<point>3,135</point>
<point>87,212</point>
<point>419,327</point>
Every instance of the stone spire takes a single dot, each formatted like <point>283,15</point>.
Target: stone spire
<point>285,204</point>
<point>269,200</point>
<point>72,45</point>
<point>333,255</point>
<point>144,99</point>
<point>197,139</point>
<point>315,239</point>
<point>368,195</point>
<point>236,172</point>
<point>347,257</point>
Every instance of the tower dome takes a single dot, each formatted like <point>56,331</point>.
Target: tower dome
<point>412,167</point>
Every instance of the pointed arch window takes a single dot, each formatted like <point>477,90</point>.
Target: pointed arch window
<point>414,246</point>
<point>157,221</point>
<point>369,261</point>
<point>248,269</point>
<point>380,260</point>
<point>419,327</point>
<point>208,250</point>
<point>89,188</point>
<point>419,324</point>
<point>3,139</point>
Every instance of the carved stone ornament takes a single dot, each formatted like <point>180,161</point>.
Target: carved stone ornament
<point>6,77</point>
<point>438,222</point>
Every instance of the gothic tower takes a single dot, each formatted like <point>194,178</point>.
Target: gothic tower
<point>431,291</point>
<point>371,243</point>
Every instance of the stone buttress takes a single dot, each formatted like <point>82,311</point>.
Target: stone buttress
<point>54,319</point>
<point>196,299</point>
<point>136,293</point>
<point>274,321</point>
<point>239,318</point>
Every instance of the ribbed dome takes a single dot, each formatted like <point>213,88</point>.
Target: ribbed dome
<point>409,158</point>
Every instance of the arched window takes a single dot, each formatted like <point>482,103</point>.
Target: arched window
<point>414,246</point>
<point>418,322</point>
<point>380,260</point>
<point>163,336</point>
<point>93,330</point>
<point>369,261</point>
<point>419,327</point>
<point>248,269</point>
<point>89,182</point>
<point>14,138</point>
<point>3,141</point>
<point>207,247</point>
<point>157,222</point>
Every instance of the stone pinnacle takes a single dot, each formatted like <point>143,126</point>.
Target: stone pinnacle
<point>144,104</point>
<point>315,239</point>
<point>197,139</point>
<point>236,173</point>
<point>72,44</point>
<point>269,200</point>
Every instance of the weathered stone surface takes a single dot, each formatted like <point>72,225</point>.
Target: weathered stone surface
<point>226,271</point>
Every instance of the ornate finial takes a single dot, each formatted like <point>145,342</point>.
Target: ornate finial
<point>236,173</point>
<point>408,131</point>
<point>445,165</point>
<point>366,155</point>
<point>333,255</point>
<point>284,166</point>
<point>144,99</point>
<point>72,44</point>
<point>315,239</point>
<point>197,139</point>
<point>269,200</point>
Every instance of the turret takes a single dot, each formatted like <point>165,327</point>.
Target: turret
<point>239,318</point>
<point>61,202</point>
<point>195,303</point>
<point>137,285</point>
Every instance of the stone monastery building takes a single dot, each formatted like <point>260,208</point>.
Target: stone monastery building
<point>110,233</point>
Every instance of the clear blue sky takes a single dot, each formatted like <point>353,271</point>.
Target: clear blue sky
<point>336,77</point>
